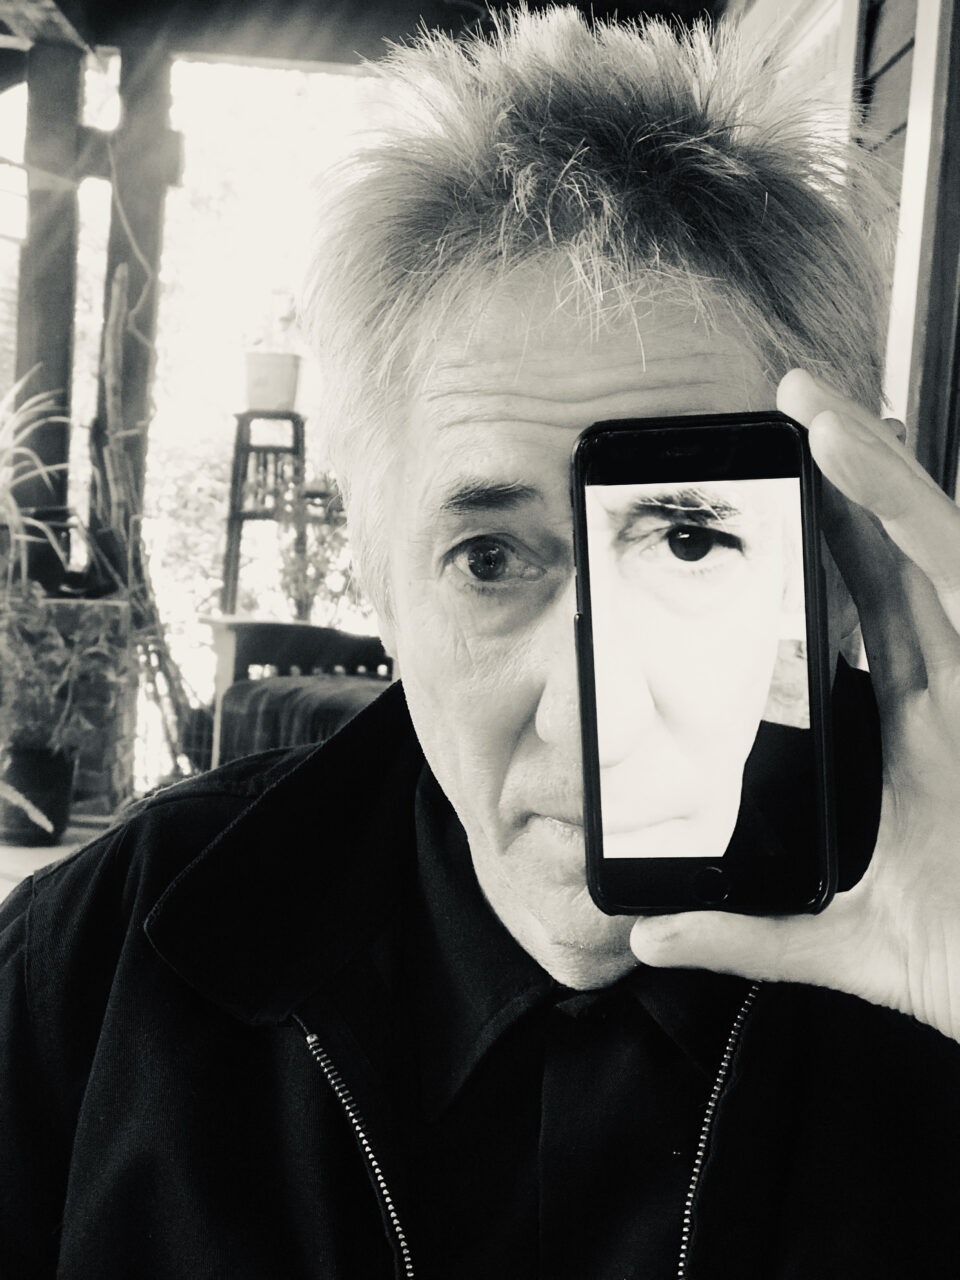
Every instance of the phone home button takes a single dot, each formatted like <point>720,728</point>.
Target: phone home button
<point>711,887</point>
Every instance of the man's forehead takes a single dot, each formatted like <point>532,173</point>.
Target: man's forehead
<point>518,342</point>
<point>556,380</point>
<point>498,407</point>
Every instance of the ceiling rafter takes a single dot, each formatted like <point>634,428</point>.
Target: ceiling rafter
<point>28,21</point>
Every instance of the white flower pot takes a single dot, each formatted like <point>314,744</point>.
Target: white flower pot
<point>272,379</point>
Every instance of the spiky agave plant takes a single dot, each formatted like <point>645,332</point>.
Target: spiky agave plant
<point>19,463</point>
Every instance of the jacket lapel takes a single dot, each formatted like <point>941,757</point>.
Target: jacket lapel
<point>305,878</point>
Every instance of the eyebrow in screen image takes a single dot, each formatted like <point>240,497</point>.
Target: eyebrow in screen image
<point>695,505</point>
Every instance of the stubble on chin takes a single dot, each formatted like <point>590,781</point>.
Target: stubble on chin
<point>560,926</point>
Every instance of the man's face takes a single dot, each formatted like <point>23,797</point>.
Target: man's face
<point>482,597</point>
<point>687,584</point>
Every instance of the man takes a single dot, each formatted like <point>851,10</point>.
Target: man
<point>351,1013</point>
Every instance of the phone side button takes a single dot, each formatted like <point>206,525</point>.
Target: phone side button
<point>711,887</point>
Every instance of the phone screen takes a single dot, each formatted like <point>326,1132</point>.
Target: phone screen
<point>702,658</point>
<point>699,638</point>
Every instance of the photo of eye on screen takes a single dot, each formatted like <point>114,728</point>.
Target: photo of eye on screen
<point>698,611</point>
<point>703,708</point>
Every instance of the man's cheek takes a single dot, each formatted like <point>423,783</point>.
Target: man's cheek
<point>725,680</point>
<point>446,653</point>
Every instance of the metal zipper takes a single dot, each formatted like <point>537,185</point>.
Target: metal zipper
<point>708,1118</point>
<point>352,1112</point>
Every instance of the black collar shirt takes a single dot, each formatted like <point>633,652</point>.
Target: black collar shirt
<point>554,1132</point>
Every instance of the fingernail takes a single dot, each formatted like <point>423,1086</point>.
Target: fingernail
<point>898,428</point>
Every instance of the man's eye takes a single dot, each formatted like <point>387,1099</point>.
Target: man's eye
<point>694,542</point>
<point>487,560</point>
<point>681,550</point>
<point>491,561</point>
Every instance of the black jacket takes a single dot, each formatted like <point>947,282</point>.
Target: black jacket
<point>193,1006</point>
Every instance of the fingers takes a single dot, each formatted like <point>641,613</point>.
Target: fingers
<point>802,397</point>
<point>864,460</point>
<point>822,950</point>
<point>872,568</point>
<point>878,473</point>
<point>897,427</point>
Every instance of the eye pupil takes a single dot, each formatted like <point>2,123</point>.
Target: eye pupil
<point>690,543</point>
<point>487,561</point>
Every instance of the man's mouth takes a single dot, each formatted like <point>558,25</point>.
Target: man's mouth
<point>565,828</point>
<point>634,826</point>
<point>568,819</point>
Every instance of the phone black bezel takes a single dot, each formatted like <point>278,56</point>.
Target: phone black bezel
<point>717,446</point>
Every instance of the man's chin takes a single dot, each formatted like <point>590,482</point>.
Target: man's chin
<point>564,930</point>
<point>537,886</point>
<point>583,954</point>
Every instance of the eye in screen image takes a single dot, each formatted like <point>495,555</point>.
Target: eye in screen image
<point>698,633</point>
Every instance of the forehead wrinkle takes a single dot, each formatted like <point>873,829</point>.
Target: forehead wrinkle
<point>508,377</point>
<point>464,408</point>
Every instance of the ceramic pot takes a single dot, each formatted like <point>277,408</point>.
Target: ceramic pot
<point>272,378</point>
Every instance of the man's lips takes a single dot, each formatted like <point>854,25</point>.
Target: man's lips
<point>629,827</point>
<point>564,829</point>
<point>567,819</point>
<point>614,827</point>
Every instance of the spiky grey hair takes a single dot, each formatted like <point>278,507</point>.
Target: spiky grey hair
<point>622,161</point>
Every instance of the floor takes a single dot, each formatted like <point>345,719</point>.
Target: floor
<point>17,861</point>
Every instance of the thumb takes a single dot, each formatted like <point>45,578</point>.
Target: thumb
<point>815,949</point>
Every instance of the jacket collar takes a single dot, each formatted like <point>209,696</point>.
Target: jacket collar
<point>256,924</point>
<point>473,982</point>
<point>257,927</point>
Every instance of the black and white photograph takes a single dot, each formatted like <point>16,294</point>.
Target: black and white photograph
<point>479,639</point>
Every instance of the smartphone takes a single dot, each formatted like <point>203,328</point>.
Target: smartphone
<point>703,666</point>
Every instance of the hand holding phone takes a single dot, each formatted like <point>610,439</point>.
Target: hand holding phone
<point>701,645</point>
<point>893,939</point>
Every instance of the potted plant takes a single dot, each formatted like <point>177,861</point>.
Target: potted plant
<point>62,664</point>
<point>62,661</point>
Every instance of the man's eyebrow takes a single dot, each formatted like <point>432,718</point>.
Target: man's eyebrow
<point>696,505</point>
<point>471,497</point>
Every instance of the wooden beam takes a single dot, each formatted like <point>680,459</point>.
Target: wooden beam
<point>48,260</point>
<point>146,159</point>
<point>34,20</point>
<point>93,153</point>
<point>922,378</point>
<point>936,392</point>
<point>13,68</point>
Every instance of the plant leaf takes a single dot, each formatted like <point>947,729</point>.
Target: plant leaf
<point>13,796</point>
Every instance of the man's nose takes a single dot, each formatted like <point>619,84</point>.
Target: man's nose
<point>558,708</point>
<point>625,704</point>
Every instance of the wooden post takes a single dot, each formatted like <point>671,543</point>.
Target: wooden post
<point>146,160</point>
<point>48,260</point>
